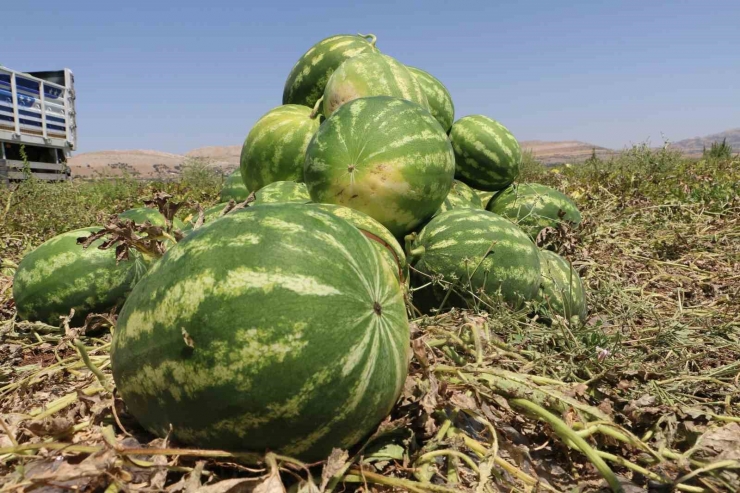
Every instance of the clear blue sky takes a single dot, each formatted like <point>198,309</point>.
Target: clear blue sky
<point>173,76</point>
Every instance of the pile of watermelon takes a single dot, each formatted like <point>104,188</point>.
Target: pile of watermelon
<point>283,324</point>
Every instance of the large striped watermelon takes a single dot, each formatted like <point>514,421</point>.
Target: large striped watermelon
<point>534,207</point>
<point>477,252</point>
<point>438,97</point>
<point>382,239</point>
<point>371,74</point>
<point>282,191</point>
<point>461,196</point>
<point>61,275</point>
<point>275,147</point>
<point>142,214</point>
<point>234,188</point>
<point>487,156</point>
<point>276,327</point>
<point>386,157</point>
<point>307,79</point>
<point>562,290</point>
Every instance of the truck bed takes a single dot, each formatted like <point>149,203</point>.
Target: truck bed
<point>41,113</point>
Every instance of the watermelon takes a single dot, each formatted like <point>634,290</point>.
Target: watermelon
<point>275,147</point>
<point>487,156</point>
<point>371,74</point>
<point>382,239</point>
<point>562,289</point>
<point>477,251</point>
<point>386,157</point>
<point>61,275</point>
<point>307,79</point>
<point>277,327</point>
<point>485,197</point>
<point>234,188</point>
<point>534,207</point>
<point>142,214</point>
<point>282,191</point>
<point>438,97</point>
<point>461,196</point>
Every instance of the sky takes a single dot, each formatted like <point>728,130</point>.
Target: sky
<point>174,76</point>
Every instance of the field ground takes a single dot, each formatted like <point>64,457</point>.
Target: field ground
<point>644,395</point>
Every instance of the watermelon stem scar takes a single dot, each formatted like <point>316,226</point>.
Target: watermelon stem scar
<point>373,38</point>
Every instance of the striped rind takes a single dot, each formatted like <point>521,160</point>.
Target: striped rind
<point>461,196</point>
<point>533,207</point>
<point>234,188</point>
<point>282,191</point>
<point>438,97</point>
<point>485,197</point>
<point>142,214</point>
<point>386,157</point>
<point>478,250</point>
<point>61,275</point>
<point>382,239</point>
<point>487,156</point>
<point>371,74</point>
<point>308,78</point>
<point>562,290</point>
<point>275,147</point>
<point>276,327</point>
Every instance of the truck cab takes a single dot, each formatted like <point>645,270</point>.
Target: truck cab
<point>38,129</point>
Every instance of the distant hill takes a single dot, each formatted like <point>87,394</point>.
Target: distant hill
<point>695,146</point>
<point>570,151</point>
<point>154,164</point>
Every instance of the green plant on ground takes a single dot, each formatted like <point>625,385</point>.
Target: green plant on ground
<point>718,150</point>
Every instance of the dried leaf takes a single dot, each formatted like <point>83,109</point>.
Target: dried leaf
<point>237,485</point>
<point>273,484</point>
<point>50,426</point>
<point>192,483</point>
<point>431,398</point>
<point>336,463</point>
<point>463,401</point>
<point>722,443</point>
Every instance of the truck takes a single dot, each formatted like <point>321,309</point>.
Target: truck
<point>38,125</point>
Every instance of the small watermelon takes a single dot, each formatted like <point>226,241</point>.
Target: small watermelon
<point>562,289</point>
<point>276,146</point>
<point>461,196</point>
<point>438,97</point>
<point>534,207</point>
<point>307,80</point>
<point>485,197</point>
<point>277,327</point>
<point>234,188</point>
<point>487,156</point>
<point>61,275</point>
<point>477,252</point>
<point>386,157</point>
<point>282,191</point>
<point>371,74</point>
